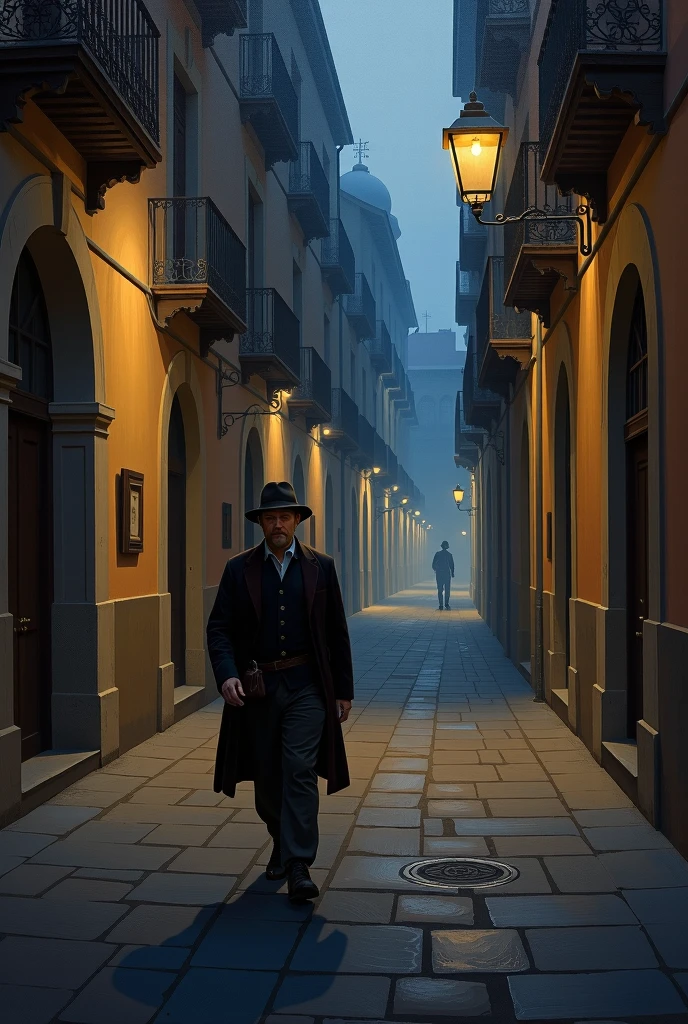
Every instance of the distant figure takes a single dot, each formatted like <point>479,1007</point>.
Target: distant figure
<point>443,567</point>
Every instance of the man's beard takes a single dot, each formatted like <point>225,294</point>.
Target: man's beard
<point>279,539</point>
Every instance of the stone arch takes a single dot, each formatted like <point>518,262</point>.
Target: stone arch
<point>182,382</point>
<point>38,217</point>
<point>253,482</point>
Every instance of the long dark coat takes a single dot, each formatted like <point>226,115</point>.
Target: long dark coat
<point>233,632</point>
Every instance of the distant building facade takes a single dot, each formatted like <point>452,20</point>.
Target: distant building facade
<point>436,375</point>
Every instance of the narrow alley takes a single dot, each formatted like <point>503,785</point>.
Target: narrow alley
<point>138,894</point>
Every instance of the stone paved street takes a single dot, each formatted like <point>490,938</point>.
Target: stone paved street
<point>139,894</point>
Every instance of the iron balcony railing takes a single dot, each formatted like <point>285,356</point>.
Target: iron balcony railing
<point>192,243</point>
<point>527,189</point>
<point>315,388</point>
<point>337,259</point>
<point>264,84</point>
<point>467,292</point>
<point>344,417</point>
<point>494,320</point>
<point>380,349</point>
<point>273,330</point>
<point>381,452</point>
<point>476,400</point>
<point>603,26</point>
<point>360,308</point>
<point>308,181</point>
<point>120,35</point>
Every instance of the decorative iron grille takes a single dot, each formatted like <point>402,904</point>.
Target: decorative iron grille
<point>494,320</point>
<point>192,243</point>
<point>527,189</point>
<point>120,35</point>
<point>316,380</point>
<point>336,251</point>
<point>264,75</point>
<point>307,177</point>
<point>622,26</point>
<point>273,329</point>
<point>508,9</point>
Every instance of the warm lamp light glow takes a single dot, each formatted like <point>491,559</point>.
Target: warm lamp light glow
<point>475,141</point>
<point>404,501</point>
<point>458,494</point>
<point>376,469</point>
<point>396,487</point>
<point>326,431</point>
<point>463,533</point>
<point>417,512</point>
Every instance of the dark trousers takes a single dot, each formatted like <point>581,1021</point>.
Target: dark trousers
<point>287,801</point>
<point>443,587</point>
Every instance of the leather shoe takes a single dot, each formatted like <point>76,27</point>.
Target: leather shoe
<point>274,870</point>
<point>301,886</point>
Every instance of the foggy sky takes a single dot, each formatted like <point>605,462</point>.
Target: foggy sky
<point>394,59</point>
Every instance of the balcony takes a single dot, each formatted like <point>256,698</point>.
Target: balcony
<point>360,309</point>
<point>538,253</point>
<point>503,336</point>
<point>270,346</point>
<point>267,98</point>
<point>366,444</point>
<point>221,18</point>
<point>472,240</point>
<point>503,37</point>
<point>313,397</point>
<point>342,430</point>
<point>481,406</point>
<point>467,440</point>
<point>198,266</point>
<point>91,66</point>
<point>337,262</point>
<point>309,193</point>
<point>408,408</point>
<point>380,349</point>
<point>601,69</point>
<point>396,382</point>
<point>467,294</point>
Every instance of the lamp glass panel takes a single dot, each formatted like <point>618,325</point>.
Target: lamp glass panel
<point>475,156</point>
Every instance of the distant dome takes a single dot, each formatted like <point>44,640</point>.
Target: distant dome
<point>360,183</point>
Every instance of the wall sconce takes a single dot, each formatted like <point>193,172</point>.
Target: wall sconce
<point>476,142</point>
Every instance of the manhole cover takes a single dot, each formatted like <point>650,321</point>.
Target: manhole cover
<point>459,872</point>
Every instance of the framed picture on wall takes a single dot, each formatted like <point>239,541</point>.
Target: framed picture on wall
<point>131,512</point>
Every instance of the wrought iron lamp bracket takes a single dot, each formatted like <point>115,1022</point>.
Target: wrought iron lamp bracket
<point>471,511</point>
<point>379,511</point>
<point>229,378</point>
<point>582,216</point>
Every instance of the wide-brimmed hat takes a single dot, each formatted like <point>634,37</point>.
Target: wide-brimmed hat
<point>278,495</point>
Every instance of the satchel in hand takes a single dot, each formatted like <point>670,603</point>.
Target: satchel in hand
<point>253,683</point>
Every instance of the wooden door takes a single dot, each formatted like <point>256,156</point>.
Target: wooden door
<point>176,540</point>
<point>30,578</point>
<point>637,569</point>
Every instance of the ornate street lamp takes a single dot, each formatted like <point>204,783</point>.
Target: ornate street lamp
<point>458,495</point>
<point>475,141</point>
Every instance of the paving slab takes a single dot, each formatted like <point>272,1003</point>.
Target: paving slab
<point>52,820</point>
<point>24,1004</point>
<point>31,879</point>
<point>392,800</point>
<point>563,996</point>
<point>558,911</point>
<point>51,963</point>
<point>497,951</point>
<point>451,910</point>
<point>393,816</point>
<point>385,840</point>
<point>357,907</point>
<point>117,994</point>
<point>358,948</point>
<point>441,998</point>
<point>246,944</point>
<point>105,855</point>
<point>203,997</point>
<point>175,887</point>
<point>580,874</point>
<point>659,906</point>
<point>650,869</point>
<point>161,926</point>
<point>358,996</point>
<point>21,915</point>
<point>590,949</point>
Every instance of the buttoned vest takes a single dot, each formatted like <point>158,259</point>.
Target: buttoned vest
<point>284,629</point>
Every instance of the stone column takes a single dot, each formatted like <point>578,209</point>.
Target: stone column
<point>85,704</point>
<point>10,735</point>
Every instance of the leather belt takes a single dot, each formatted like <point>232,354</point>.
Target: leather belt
<point>284,663</point>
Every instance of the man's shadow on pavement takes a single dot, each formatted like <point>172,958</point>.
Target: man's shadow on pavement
<point>256,930</point>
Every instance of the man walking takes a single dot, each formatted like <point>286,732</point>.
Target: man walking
<point>279,608</point>
<point>443,567</point>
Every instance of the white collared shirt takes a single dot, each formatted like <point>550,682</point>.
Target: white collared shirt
<point>286,562</point>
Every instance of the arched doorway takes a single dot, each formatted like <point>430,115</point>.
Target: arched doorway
<point>562,546</point>
<point>30,567</point>
<point>329,517</point>
<point>253,484</point>
<point>300,490</point>
<point>176,539</point>
<point>355,556</point>
<point>366,588</point>
<point>637,536</point>
<point>524,551</point>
